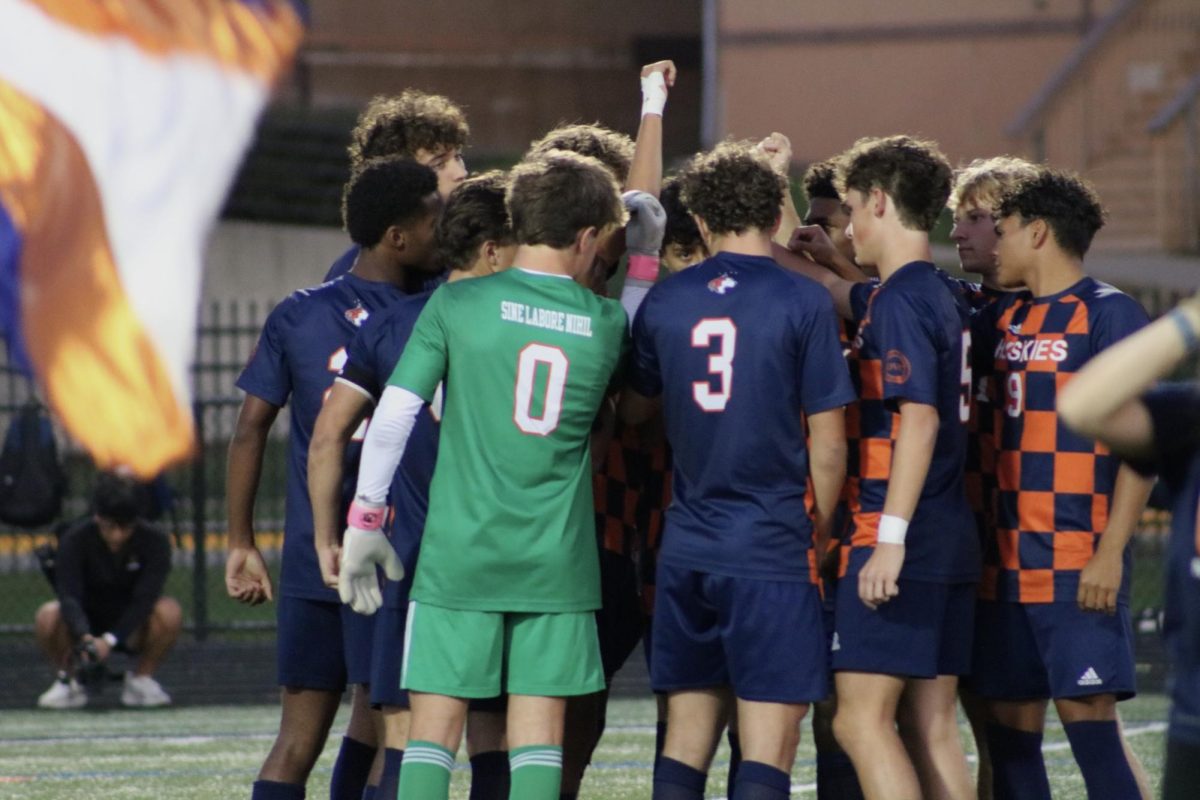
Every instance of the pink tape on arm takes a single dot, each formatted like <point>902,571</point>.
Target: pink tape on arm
<point>642,268</point>
<point>365,518</point>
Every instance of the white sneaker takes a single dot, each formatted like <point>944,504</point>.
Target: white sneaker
<point>142,691</point>
<point>64,693</point>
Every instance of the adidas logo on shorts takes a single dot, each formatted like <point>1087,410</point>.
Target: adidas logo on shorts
<point>1089,678</point>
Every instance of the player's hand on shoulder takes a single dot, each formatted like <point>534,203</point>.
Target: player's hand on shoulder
<point>1100,582</point>
<point>666,68</point>
<point>879,579</point>
<point>246,577</point>
<point>812,242</point>
<point>647,223</point>
<point>778,150</point>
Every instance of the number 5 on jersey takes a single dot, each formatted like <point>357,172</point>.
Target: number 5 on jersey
<point>720,363</point>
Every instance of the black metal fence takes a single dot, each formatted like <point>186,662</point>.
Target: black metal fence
<point>196,519</point>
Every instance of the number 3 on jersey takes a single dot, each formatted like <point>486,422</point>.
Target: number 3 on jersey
<point>531,357</point>
<point>720,363</point>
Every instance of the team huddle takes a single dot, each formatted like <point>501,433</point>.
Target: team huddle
<point>808,466</point>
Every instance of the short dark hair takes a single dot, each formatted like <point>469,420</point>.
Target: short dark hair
<point>819,181</point>
<point>733,188</point>
<point>681,227</point>
<point>382,193</point>
<point>117,498</point>
<point>553,197</point>
<point>474,214</point>
<point>400,125</point>
<point>612,149</point>
<point>1067,203</point>
<point>912,172</point>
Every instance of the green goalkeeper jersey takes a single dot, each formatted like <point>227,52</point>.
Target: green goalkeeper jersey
<point>527,359</point>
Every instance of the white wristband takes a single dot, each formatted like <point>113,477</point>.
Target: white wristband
<point>892,530</point>
<point>654,94</point>
<point>110,638</point>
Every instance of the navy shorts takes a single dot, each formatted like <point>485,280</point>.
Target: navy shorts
<point>619,620</point>
<point>923,632</point>
<point>322,645</point>
<point>387,655</point>
<point>764,638</point>
<point>1037,651</point>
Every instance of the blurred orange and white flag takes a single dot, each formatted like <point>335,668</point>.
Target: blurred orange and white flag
<point>122,123</point>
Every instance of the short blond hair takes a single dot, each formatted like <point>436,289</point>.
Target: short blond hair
<point>984,181</point>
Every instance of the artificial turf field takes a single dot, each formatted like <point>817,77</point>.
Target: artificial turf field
<point>210,752</point>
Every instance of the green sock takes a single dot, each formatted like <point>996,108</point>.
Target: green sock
<point>425,772</point>
<point>536,772</point>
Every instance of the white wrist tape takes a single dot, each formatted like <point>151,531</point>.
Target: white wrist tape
<point>110,638</point>
<point>892,530</point>
<point>654,94</point>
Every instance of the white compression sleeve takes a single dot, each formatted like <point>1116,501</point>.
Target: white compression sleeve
<point>387,436</point>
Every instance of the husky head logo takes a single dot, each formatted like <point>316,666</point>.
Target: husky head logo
<point>357,315</point>
<point>721,284</point>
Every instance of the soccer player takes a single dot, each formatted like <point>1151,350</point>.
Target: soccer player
<point>904,607</point>
<point>836,779</point>
<point>738,348</point>
<point>507,582</point>
<point>1114,399</point>
<point>390,209</point>
<point>1054,621</point>
<point>474,239</point>
<point>427,128</point>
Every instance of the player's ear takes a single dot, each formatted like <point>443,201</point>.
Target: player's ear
<point>775,226</point>
<point>395,237</point>
<point>1039,233</point>
<point>878,200</point>
<point>705,233</point>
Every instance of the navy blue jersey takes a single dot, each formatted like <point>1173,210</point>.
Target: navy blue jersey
<point>371,357</point>
<point>1175,412</point>
<point>299,353</point>
<point>739,347</point>
<point>913,345</point>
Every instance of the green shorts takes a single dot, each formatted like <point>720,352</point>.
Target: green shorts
<point>485,653</point>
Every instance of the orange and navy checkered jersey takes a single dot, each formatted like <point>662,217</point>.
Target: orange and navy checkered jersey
<point>631,492</point>
<point>1054,487</point>
<point>912,344</point>
<point>979,473</point>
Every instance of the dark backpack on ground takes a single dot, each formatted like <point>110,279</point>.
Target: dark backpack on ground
<point>32,483</point>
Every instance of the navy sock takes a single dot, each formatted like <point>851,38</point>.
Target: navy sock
<point>1097,749</point>
<point>274,790</point>
<point>836,778</point>
<point>489,775</point>
<point>369,792</point>
<point>389,781</point>
<point>674,780</point>
<point>660,739</point>
<point>735,760</point>
<point>351,769</point>
<point>759,781</point>
<point>1018,769</point>
<point>568,796</point>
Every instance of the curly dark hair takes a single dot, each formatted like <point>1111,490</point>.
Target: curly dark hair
<point>912,172</point>
<point>382,193</point>
<point>733,188</point>
<point>400,125</point>
<point>474,214</point>
<point>1066,202</point>
<point>612,149</point>
<point>681,228</point>
<point>819,180</point>
<point>553,197</point>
